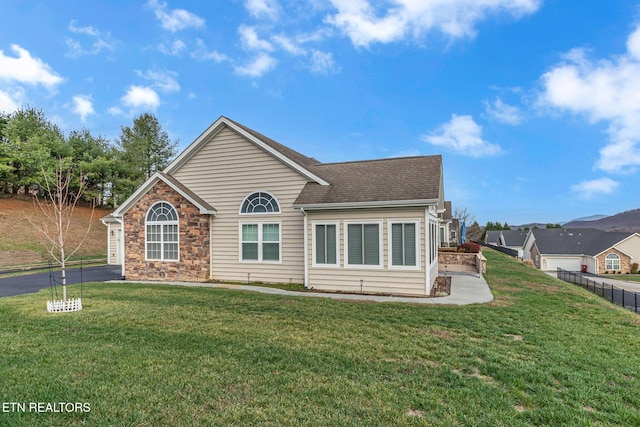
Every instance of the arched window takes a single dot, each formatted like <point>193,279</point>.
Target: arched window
<point>260,202</point>
<point>162,232</point>
<point>612,262</point>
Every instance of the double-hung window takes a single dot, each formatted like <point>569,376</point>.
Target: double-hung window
<point>404,244</point>
<point>260,241</point>
<point>325,244</point>
<point>612,262</point>
<point>363,244</point>
<point>162,233</point>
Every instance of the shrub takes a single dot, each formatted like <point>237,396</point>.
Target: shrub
<point>634,268</point>
<point>529,262</point>
<point>469,248</point>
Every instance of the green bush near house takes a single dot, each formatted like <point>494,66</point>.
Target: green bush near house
<point>543,353</point>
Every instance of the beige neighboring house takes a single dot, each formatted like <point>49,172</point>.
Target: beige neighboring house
<point>582,249</point>
<point>238,206</point>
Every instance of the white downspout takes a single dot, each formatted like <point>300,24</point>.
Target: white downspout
<point>122,254</point>
<point>306,249</point>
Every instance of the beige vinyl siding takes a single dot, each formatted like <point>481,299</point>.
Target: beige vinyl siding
<point>224,172</point>
<point>377,279</point>
<point>631,246</point>
<point>114,230</point>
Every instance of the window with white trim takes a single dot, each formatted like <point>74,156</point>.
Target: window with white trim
<point>325,244</point>
<point>260,202</point>
<point>161,237</point>
<point>260,242</point>
<point>362,241</point>
<point>612,262</point>
<point>403,242</point>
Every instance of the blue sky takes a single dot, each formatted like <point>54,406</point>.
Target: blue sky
<point>534,105</point>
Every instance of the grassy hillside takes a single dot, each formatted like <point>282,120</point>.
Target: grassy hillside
<point>543,353</point>
<point>17,234</point>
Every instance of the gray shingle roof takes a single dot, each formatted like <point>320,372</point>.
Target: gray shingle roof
<point>514,237</point>
<point>578,241</point>
<point>385,180</point>
<point>492,236</point>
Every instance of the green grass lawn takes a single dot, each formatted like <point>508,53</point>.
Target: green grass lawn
<point>543,353</point>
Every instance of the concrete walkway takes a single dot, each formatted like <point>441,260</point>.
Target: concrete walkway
<point>466,288</point>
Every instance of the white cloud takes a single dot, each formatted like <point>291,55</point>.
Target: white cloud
<point>288,45</point>
<point>263,8</point>
<point>141,97</point>
<point>83,106</point>
<point>589,189</point>
<point>250,40</point>
<point>101,41</point>
<point>258,67</point>
<point>26,69</point>
<point>464,136</point>
<point>323,63</point>
<point>8,103</point>
<point>606,90</point>
<point>503,112</point>
<point>176,19</point>
<point>175,49</point>
<point>202,53</point>
<point>365,23</point>
<point>164,81</point>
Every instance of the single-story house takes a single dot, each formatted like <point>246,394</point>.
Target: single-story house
<point>578,249</point>
<point>446,220</point>
<point>513,239</point>
<point>238,206</point>
<point>491,237</point>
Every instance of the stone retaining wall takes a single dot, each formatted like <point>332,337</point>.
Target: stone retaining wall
<point>459,261</point>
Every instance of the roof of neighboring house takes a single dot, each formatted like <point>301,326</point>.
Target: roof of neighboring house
<point>446,215</point>
<point>492,236</point>
<point>575,241</point>
<point>514,237</point>
<point>407,179</point>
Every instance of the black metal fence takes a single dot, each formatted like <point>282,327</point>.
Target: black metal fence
<point>622,297</point>
<point>508,251</point>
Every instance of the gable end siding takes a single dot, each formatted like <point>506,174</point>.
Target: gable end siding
<point>223,172</point>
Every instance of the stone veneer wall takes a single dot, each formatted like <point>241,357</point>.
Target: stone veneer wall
<point>625,261</point>
<point>193,227</point>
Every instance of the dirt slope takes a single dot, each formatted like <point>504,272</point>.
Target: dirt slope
<point>21,242</point>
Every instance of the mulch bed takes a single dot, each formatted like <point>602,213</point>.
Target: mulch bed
<point>442,287</point>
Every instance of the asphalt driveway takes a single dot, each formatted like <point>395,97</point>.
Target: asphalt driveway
<point>34,282</point>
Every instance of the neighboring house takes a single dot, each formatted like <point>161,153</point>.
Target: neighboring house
<point>587,249</point>
<point>237,206</point>
<point>454,232</point>
<point>445,225</point>
<point>491,237</point>
<point>513,239</point>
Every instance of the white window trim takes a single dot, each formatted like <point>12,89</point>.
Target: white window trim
<point>345,236</point>
<point>390,265</point>
<point>617,260</point>
<point>260,242</point>
<point>259,213</point>
<point>313,244</point>
<point>161,223</point>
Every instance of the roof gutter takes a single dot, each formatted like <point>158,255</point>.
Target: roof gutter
<point>368,205</point>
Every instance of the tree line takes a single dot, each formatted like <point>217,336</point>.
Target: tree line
<point>31,147</point>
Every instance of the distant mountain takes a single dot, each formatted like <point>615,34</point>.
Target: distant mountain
<point>590,218</point>
<point>628,221</point>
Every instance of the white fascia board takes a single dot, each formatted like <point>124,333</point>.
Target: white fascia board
<point>368,205</point>
<point>195,146</point>
<point>142,190</point>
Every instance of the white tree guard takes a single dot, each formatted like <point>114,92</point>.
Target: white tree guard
<point>72,304</point>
